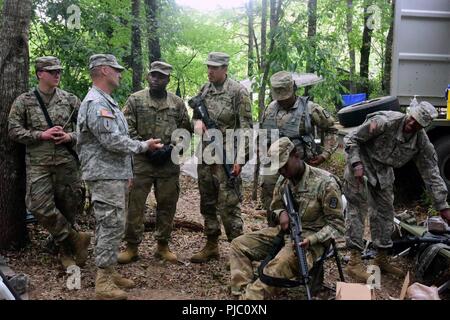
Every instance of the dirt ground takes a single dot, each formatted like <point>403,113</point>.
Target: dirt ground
<point>156,280</point>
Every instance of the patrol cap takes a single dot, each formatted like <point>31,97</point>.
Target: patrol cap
<point>279,153</point>
<point>282,85</point>
<point>424,113</point>
<point>104,60</point>
<point>218,59</point>
<point>161,67</point>
<point>48,64</point>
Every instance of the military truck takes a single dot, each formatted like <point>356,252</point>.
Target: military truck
<point>421,69</point>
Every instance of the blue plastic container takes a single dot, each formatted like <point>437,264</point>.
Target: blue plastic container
<point>350,99</point>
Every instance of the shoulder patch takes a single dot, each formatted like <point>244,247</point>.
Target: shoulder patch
<point>105,113</point>
<point>333,203</point>
<point>326,114</point>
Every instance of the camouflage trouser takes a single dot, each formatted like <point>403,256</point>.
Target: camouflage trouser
<point>109,202</point>
<point>255,246</point>
<point>167,191</point>
<point>365,199</point>
<point>216,197</point>
<point>267,187</point>
<point>55,197</point>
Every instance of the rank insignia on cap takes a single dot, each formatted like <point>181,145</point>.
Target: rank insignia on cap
<point>105,113</point>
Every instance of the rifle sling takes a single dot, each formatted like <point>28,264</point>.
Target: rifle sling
<point>50,123</point>
<point>278,244</point>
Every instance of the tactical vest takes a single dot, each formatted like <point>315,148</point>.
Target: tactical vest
<point>291,129</point>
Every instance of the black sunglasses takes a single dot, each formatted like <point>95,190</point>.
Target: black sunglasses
<point>53,72</point>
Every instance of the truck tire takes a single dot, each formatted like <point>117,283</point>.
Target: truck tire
<point>442,147</point>
<point>355,114</point>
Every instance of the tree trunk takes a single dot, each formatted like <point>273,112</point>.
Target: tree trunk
<point>14,67</point>
<point>263,50</point>
<point>312,30</point>
<point>251,41</point>
<point>136,45</point>
<point>275,13</point>
<point>365,50</point>
<point>154,49</point>
<point>386,84</point>
<point>251,57</point>
<point>351,48</point>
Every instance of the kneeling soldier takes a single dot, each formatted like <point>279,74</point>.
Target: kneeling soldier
<point>317,194</point>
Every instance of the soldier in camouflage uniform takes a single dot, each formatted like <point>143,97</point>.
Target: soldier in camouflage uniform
<point>386,140</point>
<point>318,197</point>
<point>54,190</point>
<point>154,112</point>
<point>228,104</point>
<point>105,151</point>
<point>295,118</point>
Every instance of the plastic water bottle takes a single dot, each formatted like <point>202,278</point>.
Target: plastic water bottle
<point>448,102</point>
<point>413,103</point>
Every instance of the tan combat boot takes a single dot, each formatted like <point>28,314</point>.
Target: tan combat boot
<point>163,252</point>
<point>105,288</point>
<point>79,242</point>
<point>129,255</point>
<point>382,261</point>
<point>121,282</point>
<point>210,251</point>
<point>65,256</point>
<point>355,267</point>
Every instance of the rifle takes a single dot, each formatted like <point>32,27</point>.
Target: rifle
<point>6,289</point>
<point>419,240</point>
<point>296,236</point>
<point>198,105</point>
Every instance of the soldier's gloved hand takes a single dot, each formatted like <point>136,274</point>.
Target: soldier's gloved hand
<point>317,161</point>
<point>154,144</point>
<point>284,221</point>
<point>161,156</point>
<point>51,134</point>
<point>358,171</point>
<point>445,214</point>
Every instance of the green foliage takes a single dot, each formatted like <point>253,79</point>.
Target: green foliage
<point>426,201</point>
<point>104,28</point>
<point>186,37</point>
<point>191,37</point>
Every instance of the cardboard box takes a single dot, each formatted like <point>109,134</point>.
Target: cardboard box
<point>354,291</point>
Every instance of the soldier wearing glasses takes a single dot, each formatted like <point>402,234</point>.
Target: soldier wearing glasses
<point>54,189</point>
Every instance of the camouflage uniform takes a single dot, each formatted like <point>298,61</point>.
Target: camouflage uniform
<point>106,163</point>
<point>229,106</point>
<point>318,197</point>
<point>54,191</point>
<point>381,145</point>
<point>300,120</point>
<point>147,118</point>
